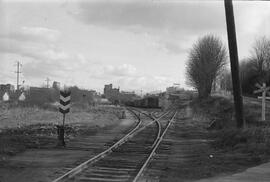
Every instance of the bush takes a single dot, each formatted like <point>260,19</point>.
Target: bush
<point>217,109</point>
<point>206,59</point>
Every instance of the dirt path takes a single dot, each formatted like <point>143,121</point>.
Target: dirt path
<point>47,164</point>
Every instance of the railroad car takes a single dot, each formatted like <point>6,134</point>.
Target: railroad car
<point>148,102</point>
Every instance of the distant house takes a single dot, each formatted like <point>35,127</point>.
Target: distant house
<point>5,97</point>
<point>22,97</point>
<point>7,89</point>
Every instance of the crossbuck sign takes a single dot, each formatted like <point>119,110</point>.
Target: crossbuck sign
<point>264,90</point>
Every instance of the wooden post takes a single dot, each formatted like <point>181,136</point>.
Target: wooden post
<point>237,91</point>
<point>61,133</point>
<point>263,102</point>
<point>264,90</point>
<point>64,117</point>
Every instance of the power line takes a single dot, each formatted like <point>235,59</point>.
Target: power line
<point>48,82</point>
<point>18,72</point>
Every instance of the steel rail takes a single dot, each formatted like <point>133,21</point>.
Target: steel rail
<point>157,122</point>
<point>154,149</point>
<point>84,165</point>
<point>159,129</point>
<point>154,114</point>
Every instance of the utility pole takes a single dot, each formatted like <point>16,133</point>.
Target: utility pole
<point>18,72</point>
<point>237,91</point>
<point>48,81</point>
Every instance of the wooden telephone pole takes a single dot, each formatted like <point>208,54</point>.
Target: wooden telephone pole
<point>237,91</point>
<point>48,82</point>
<point>18,72</point>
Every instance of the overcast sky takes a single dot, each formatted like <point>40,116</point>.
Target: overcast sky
<point>132,44</point>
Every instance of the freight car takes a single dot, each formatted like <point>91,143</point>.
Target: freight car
<point>148,102</point>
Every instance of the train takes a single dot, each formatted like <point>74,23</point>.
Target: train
<point>147,102</point>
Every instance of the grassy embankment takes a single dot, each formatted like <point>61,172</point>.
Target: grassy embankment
<point>24,128</point>
<point>236,149</point>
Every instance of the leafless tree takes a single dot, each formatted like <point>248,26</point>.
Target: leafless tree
<point>206,59</point>
<point>260,57</point>
<point>226,80</point>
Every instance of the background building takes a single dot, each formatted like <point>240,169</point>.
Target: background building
<point>112,94</point>
<point>56,85</point>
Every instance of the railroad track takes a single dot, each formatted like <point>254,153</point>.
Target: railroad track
<point>164,127</point>
<point>127,158</point>
<point>146,172</point>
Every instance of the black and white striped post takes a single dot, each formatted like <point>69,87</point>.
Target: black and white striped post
<point>64,108</point>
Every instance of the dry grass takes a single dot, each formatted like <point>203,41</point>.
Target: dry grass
<point>232,150</point>
<point>21,116</point>
<point>254,140</point>
<point>253,112</point>
<point>32,127</point>
<point>216,109</point>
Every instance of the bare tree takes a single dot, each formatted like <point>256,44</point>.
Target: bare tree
<point>260,57</point>
<point>226,80</point>
<point>206,59</point>
<point>256,68</point>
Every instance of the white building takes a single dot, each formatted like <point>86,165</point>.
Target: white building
<point>5,97</point>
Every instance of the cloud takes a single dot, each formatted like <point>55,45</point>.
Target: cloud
<point>32,50</point>
<point>33,42</point>
<point>32,34</point>
<point>168,25</point>
<point>252,17</point>
<point>121,70</point>
<point>128,78</point>
<point>63,66</point>
<point>174,47</point>
<point>145,82</point>
<point>39,49</point>
<point>111,72</point>
<point>164,16</point>
<point>44,58</point>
